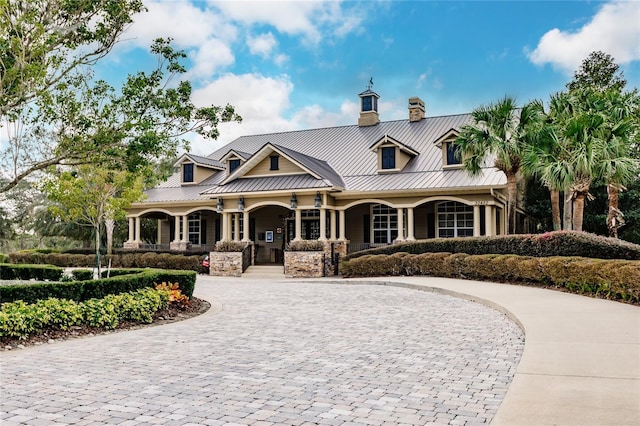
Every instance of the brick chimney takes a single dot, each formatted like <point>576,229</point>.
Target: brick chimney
<point>416,109</point>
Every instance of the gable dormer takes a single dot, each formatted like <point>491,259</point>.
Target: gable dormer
<point>450,158</point>
<point>393,155</point>
<point>194,168</point>
<point>233,160</point>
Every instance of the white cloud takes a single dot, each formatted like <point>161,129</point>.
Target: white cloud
<point>615,29</point>
<point>209,57</point>
<point>262,45</point>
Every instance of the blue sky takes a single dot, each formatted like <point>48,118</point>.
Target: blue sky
<point>290,65</point>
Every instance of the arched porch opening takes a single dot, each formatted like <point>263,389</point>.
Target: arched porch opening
<point>373,223</point>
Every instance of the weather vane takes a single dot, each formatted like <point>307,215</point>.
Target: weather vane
<point>370,83</point>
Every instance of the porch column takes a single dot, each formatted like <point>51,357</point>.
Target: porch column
<point>488,217</point>
<point>298,236</point>
<point>236,227</point>
<point>400,225</point>
<point>185,228</point>
<point>342,226</point>
<point>245,226</point>
<point>503,221</point>
<point>323,225</point>
<point>159,236</point>
<point>176,229</point>
<point>131,229</point>
<point>332,225</point>
<point>476,221</point>
<point>225,226</point>
<point>410,236</point>
<point>137,229</point>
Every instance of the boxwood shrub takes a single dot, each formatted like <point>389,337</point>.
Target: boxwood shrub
<point>613,279</point>
<point>10,271</point>
<point>561,243</point>
<point>82,274</point>
<point>84,290</point>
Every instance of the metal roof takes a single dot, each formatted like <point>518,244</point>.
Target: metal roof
<point>271,183</point>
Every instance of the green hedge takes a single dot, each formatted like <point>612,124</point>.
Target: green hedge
<point>20,319</point>
<point>82,274</point>
<point>4,258</point>
<point>614,279</point>
<point>10,271</point>
<point>83,290</point>
<point>123,260</point>
<point>561,243</point>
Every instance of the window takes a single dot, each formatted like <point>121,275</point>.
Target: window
<point>187,172</point>
<point>455,220</point>
<point>452,151</point>
<point>389,157</point>
<point>274,162</point>
<point>385,224</point>
<point>193,226</point>
<point>234,164</point>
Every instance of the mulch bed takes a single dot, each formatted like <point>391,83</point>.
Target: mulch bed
<point>172,314</point>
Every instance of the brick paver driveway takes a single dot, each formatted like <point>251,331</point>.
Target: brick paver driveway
<point>277,353</point>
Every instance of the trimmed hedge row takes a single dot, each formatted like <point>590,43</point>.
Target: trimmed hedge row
<point>19,319</point>
<point>560,243</point>
<point>124,260</point>
<point>613,279</point>
<point>84,290</point>
<point>82,274</point>
<point>10,271</point>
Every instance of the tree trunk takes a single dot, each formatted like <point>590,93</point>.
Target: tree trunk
<point>614,217</point>
<point>555,210</point>
<point>109,224</point>
<point>578,211</point>
<point>512,192</point>
<point>568,213</point>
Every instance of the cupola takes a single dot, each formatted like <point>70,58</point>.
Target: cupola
<point>368,107</point>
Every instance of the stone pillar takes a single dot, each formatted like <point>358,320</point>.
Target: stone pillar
<point>410,225</point>
<point>176,229</point>
<point>333,225</point>
<point>400,225</point>
<point>131,229</point>
<point>185,228</point>
<point>323,225</point>
<point>488,220</point>
<point>476,221</point>
<point>137,229</point>
<point>343,234</point>
<point>298,236</point>
<point>236,227</point>
<point>245,226</point>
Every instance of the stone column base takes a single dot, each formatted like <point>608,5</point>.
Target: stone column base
<point>340,248</point>
<point>131,245</point>
<point>179,245</point>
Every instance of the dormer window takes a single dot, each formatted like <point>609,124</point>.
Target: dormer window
<point>389,157</point>
<point>274,162</point>
<point>452,153</point>
<point>451,158</point>
<point>234,164</point>
<point>187,172</point>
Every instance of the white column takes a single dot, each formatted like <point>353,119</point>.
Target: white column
<point>131,229</point>
<point>503,220</point>
<point>400,225</point>
<point>137,229</point>
<point>298,236</point>
<point>323,225</point>
<point>245,226</point>
<point>342,226</point>
<point>176,229</point>
<point>476,221</point>
<point>236,227</point>
<point>185,228</point>
<point>225,226</point>
<point>332,225</point>
<point>410,224</point>
<point>159,236</point>
<point>488,220</point>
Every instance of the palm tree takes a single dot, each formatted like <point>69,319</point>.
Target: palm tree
<point>500,131</point>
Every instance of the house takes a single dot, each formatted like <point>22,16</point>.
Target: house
<point>353,187</point>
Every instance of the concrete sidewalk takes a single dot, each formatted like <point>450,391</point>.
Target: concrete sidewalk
<point>581,362</point>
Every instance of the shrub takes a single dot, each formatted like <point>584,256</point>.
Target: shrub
<point>82,274</point>
<point>227,246</point>
<point>561,243</point>
<point>4,258</point>
<point>306,245</point>
<point>27,272</point>
<point>173,293</point>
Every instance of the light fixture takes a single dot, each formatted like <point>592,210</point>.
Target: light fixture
<point>220,206</point>
<point>294,201</point>
<point>241,204</point>
<point>317,200</point>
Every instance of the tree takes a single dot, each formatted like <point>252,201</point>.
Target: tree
<point>81,121</point>
<point>93,196</point>
<point>599,72</point>
<point>500,131</point>
<point>42,41</point>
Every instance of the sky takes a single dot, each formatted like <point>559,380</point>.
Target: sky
<point>289,65</point>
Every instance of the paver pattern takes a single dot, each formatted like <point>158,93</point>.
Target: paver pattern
<point>278,353</point>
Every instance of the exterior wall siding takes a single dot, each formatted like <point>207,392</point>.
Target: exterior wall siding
<point>284,166</point>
